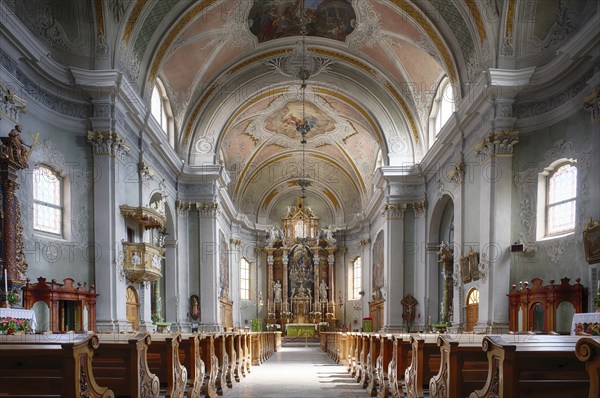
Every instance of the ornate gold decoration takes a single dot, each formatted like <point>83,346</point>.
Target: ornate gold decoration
<point>394,210</point>
<point>420,19</point>
<point>472,5</point>
<point>175,31</point>
<point>270,197</point>
<point>99,18</point>
<point>331,196</point>
<point>500,142</point>
<point>510,17</point>
<point>142,262</point>
<point>131,21</point>
<point>343,57</point>
<point>196,111</point>
<point>149,218</point>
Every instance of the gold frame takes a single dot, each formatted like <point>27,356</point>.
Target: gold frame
<point>591,242</point>
<point>474,264</point>
<point>464,269</point>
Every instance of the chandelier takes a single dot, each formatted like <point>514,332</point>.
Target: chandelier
<point>304,125</point>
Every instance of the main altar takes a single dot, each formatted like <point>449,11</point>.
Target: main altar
<point>301,271</point>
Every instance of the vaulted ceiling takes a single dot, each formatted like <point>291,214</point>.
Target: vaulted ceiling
<point>229,68</point>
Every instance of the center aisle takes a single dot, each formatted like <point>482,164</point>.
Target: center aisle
<point>297,371</point>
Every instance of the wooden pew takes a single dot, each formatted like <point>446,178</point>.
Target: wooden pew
<point>364,358</point>
<point>247,347</point>
<point>120,363</point>
<point>374,353</point>
<point>357,364</point>
<point>588,351</point>
<point>351,343</point>
<point>256,345</point>
<point>190,357</point>
<point>424,363</point>
<point>240,369</point>
<point>401,359</point>
<point>163,360</point>
<point>463,366</point>
<point>223,363</point>
<point>232,366</point>
<point>534,368</point>
<point>49,366</point>
<point>211,363</point>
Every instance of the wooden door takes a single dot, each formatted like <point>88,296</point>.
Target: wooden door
<point>472,309</point>
<point>132,304</point>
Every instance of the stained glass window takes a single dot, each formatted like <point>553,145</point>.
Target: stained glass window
<point>47,200</point>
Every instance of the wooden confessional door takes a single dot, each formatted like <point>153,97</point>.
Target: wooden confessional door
<point>132,305</point>
<point>472,309</point>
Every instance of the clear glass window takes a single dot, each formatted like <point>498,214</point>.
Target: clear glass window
<point>561,200</point>
<point>356,278</point>
<point>47,201</point>
<point>244,279</point>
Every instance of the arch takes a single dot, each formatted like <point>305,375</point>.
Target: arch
<point>472,309</point>
<point>436,217</point>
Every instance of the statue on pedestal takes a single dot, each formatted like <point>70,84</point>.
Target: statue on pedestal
<point>277,291</point>
<point>323,291</point>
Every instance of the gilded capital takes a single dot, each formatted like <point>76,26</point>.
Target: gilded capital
<point>394,211</point>
<point>108,143</point>
<point>497,143</point>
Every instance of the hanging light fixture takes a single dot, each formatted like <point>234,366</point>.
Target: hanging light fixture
<point>303,126</point>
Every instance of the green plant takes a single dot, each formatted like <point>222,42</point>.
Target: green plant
<point>597,300</point>
<point>13,297</point>
<point>155,318</point>
<point>11,325</point>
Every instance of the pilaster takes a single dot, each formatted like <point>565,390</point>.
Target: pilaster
<point>393,265</point>
<point>110,152</point>
<point>209,265</point>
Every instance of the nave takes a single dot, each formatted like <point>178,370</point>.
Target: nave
<point>298,370</point>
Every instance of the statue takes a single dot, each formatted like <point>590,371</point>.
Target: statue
<point>194,307</point>
<point>323,291</point>
<point>275,234</point>
<point>277,291</point>
<point>18,149</point>
<point>327,233</point>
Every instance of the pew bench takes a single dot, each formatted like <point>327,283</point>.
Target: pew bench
<point>38,366</point>
<point>425,361</point>
<point>533,369</point>
<point>588,351</point>
<point>211,363</point>
<point>120,363</point>
<point>163,360</point>
<point>189,356</point>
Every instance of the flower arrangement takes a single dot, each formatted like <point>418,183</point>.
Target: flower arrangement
<point>585,328</point>
<point>11,326</point>
<point>597,300</point>
<point>13,297</point>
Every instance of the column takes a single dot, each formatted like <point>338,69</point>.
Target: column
<point>181,262</point>
<point>331,277</point>
<point>315,291</point>
<point>209,266</point>
<point>393,266</point>
<point>495,155</point>
<point>284,282</point>
<point>110,153</point>
<point>270,281</point>
<point>420,263</point>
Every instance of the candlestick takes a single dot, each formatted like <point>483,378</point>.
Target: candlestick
<point>598,290</point>
<point>6,284</point>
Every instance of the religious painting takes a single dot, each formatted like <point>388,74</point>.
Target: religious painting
<point>223,267</point>
<point>194,307</point>
<point>474,264</point>
<point>378,269</point>
<point>285,119</point>
<point>591,242</point>
<point>273,19</point>
<point>464,269</point>
<point>300,272</point>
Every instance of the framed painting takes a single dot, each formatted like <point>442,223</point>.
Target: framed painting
<point>591,242</point>
<point>474,264</point>
<point>464,269</point>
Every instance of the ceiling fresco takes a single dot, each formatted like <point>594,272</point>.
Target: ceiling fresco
<point>274,19</point>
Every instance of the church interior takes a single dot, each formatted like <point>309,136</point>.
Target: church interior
<point>372,175</point>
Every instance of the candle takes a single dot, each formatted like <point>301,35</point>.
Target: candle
<point>598,286</point>
<point>6,284</point>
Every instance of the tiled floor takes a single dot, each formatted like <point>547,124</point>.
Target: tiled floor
<point>298,371</point>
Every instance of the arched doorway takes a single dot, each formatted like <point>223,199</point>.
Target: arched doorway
<point>132,304</point>
<point>472,309</point>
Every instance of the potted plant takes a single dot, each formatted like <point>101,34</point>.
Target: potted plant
<point>597,302</point>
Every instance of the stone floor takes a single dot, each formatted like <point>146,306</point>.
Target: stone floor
<point>298,370</point>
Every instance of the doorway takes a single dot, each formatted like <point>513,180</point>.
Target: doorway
<point>472,309</point>
<point>132,306</point>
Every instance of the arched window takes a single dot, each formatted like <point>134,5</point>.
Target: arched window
<point>356,278</point>
<point>160,108</point>
<point>47,200</point>
<point>244,279</point>
<point>557,199</point>
<point>443,106</point>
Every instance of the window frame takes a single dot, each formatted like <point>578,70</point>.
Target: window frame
<point>61,206</point>
<point>543,205</point>
<point>437,106</point>
<point>248,287</point>
<point>354,289</point>
<point>165,119</point>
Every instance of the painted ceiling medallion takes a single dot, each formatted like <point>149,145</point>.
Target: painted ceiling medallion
<point>285,120</point>
<point>274,19</point>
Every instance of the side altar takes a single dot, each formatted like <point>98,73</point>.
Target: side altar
<point>301,270</point>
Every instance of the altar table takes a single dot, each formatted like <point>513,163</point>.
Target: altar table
<point>19,314</point>
<point>587,322</point>
<point>301,329</point>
